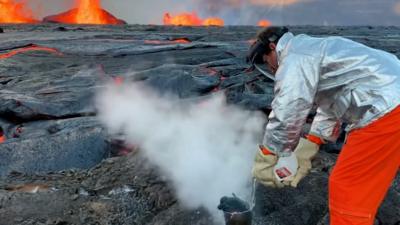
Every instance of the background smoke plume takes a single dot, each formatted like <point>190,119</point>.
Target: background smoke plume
<point>206,149</point>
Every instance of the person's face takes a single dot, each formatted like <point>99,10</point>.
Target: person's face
<point>271,59</point>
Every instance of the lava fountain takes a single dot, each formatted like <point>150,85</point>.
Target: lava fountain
<point>264,23</point>
<point>12,11</point>
<point>191,19</point>
<point>85,12</point>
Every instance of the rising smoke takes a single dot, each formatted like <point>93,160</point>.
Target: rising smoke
<point>206,149</point>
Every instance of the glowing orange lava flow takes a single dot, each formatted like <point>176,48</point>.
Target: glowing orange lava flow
<point>158,42</point>
<point>191,19</point>
<point>27,49</point>
<point>86,12</point>
<point>15,12</point>
<point>264,23</point>
<point>181,41</point>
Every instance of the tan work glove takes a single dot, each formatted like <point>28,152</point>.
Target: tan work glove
<point>263,168</point>
<point>305,152</point>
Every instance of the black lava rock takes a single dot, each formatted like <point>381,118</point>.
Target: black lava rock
<point>233,204</point>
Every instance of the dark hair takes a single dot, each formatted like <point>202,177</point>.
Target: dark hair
<point>271,34</point>
<point>1,131</point>
<point>261,45</point>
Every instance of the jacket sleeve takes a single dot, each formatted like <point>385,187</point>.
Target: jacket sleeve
<point>296,84</point>
<point>325,126</point>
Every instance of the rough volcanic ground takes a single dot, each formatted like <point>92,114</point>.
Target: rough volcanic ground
<point>59,165</point>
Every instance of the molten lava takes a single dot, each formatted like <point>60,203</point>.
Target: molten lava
<point>15,12</point>
<point>264,23</point>
<point>86,12</point>
<point>184,19</point>
<point>158,42</point>
<point>213,22</point>
<point>191,19</point>
<point>181,41</point>
<point>28,49</point>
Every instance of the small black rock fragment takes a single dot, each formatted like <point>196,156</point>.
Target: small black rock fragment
<point>61,29</point>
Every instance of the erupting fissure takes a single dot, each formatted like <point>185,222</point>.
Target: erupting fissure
<point>86,12</point>
<point>264,23</point>
<point>12,11</point>
<point>191,19</point>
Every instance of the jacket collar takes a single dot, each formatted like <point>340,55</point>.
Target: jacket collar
<point>282,43</point>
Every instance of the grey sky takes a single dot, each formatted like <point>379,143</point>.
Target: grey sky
<point>315,12</point>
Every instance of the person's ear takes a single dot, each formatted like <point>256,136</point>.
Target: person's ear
<point>272,46</point>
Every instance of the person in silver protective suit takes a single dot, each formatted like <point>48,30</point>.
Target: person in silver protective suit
<point>350,84</point>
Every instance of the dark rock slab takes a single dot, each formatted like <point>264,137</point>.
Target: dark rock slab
<point>181,80</point>
<point>53,146</point>
<point>249,90</point>
<point>250,101</point>
<point>50,94</point>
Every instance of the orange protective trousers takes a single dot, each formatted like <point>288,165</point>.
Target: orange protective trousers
<point>364,171</point>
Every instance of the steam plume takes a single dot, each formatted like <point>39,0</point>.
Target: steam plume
<point>206,149</point>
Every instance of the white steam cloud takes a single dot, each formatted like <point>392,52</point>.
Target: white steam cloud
<point>206,149</point>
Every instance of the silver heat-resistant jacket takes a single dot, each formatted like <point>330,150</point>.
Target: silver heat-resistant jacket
<point>348,82</point>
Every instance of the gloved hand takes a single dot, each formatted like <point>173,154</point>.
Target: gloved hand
<point>305,152</point>
<point>263,168</point>
<point>286,168</point>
